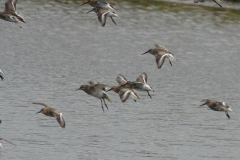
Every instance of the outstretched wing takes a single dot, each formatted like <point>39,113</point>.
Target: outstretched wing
<point>93,83</point>
<point>9,7</point>
<point>1,76</point>
<point>158,58</point>
<point>60,119</point>
<point>159,46</point>
<point>15,4</point>
<point>41,104</point>
<point>124,94</point>
<point>102,17</point>
<point>121,80</point>
<point>142,78</point>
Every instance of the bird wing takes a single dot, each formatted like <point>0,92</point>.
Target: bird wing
<point>159,46</point>
<point>9,7</point>
<point>60,119</point>
<point>105,95</point>
<point>102,17</point>
<point>41,104</point>
<point>121,80</point>
<point>159,60</point>
<point>93,83</point>
<point>15,4</point>
<point>124,94</point>
<point>142,78</point>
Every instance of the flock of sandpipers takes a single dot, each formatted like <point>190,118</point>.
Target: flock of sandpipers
<point>126,88</point>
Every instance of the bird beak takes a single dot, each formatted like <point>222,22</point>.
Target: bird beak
<point>144,53</point>
<point>202,104</point>
<point>77,89</point>
<point>84,3</point>
<point>109,90</point>
<point>90,11</point>
<point>38,112</point>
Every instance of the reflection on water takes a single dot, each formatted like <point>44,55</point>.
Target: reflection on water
<point>61,48</point>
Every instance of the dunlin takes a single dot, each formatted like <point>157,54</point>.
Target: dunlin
<point>10,13</point>
<point>100,4</point>
<point>52,112</point>
<point>103,14</point>
<point>161,53</point>
<point>196,1</point>
<point>1,147</point>
<point>217,106</point>
<point>97,90</point>
<point>140,84</point>
<point>1,74</point>
<point>125,92</point>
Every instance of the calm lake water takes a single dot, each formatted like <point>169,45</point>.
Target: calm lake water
<point>61,48</point>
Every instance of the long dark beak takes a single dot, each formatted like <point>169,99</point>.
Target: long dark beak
<point>38,112</point>
<point>109,90</point>
<point>202,104</point>
<point>144,53</point>
<point>84,3</point>
<point>77,89</point>
<point>90,11</point>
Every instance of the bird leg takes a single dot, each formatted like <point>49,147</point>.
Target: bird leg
<point>113,20</point>
<point>170,61</point>
<point>149,95</point>
<point>105,103</point>
<point>102,105</point>
<point>217,3</point>
<point>227,115</point>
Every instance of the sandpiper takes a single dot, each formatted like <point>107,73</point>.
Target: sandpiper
<point>217,106</point>
<point>1,147</point>
<point>97,90</point>
<point>103,14</point>
<point>52,112</point>
<point>196,1</point>
<point>100,4</point>
<point>161,53</point>
<point>125,92</point>
<point>1,74</point>
<point>10,13</point>
<point>140,84</point>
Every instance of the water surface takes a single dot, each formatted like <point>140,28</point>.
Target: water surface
<point>61,48</point>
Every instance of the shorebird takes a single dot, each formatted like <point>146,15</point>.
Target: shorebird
<point>1,147</point>
<point>100,4</point>
<point>217,106</point>
<point>1,74</point>
<point>97,90</point>
<point>10,13</point>
<point>103,14</point>
<point>196,1</point>
<point>52,112</point>
<point>161,53</point>
<point>125,92</point>
<point>140,84</point>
